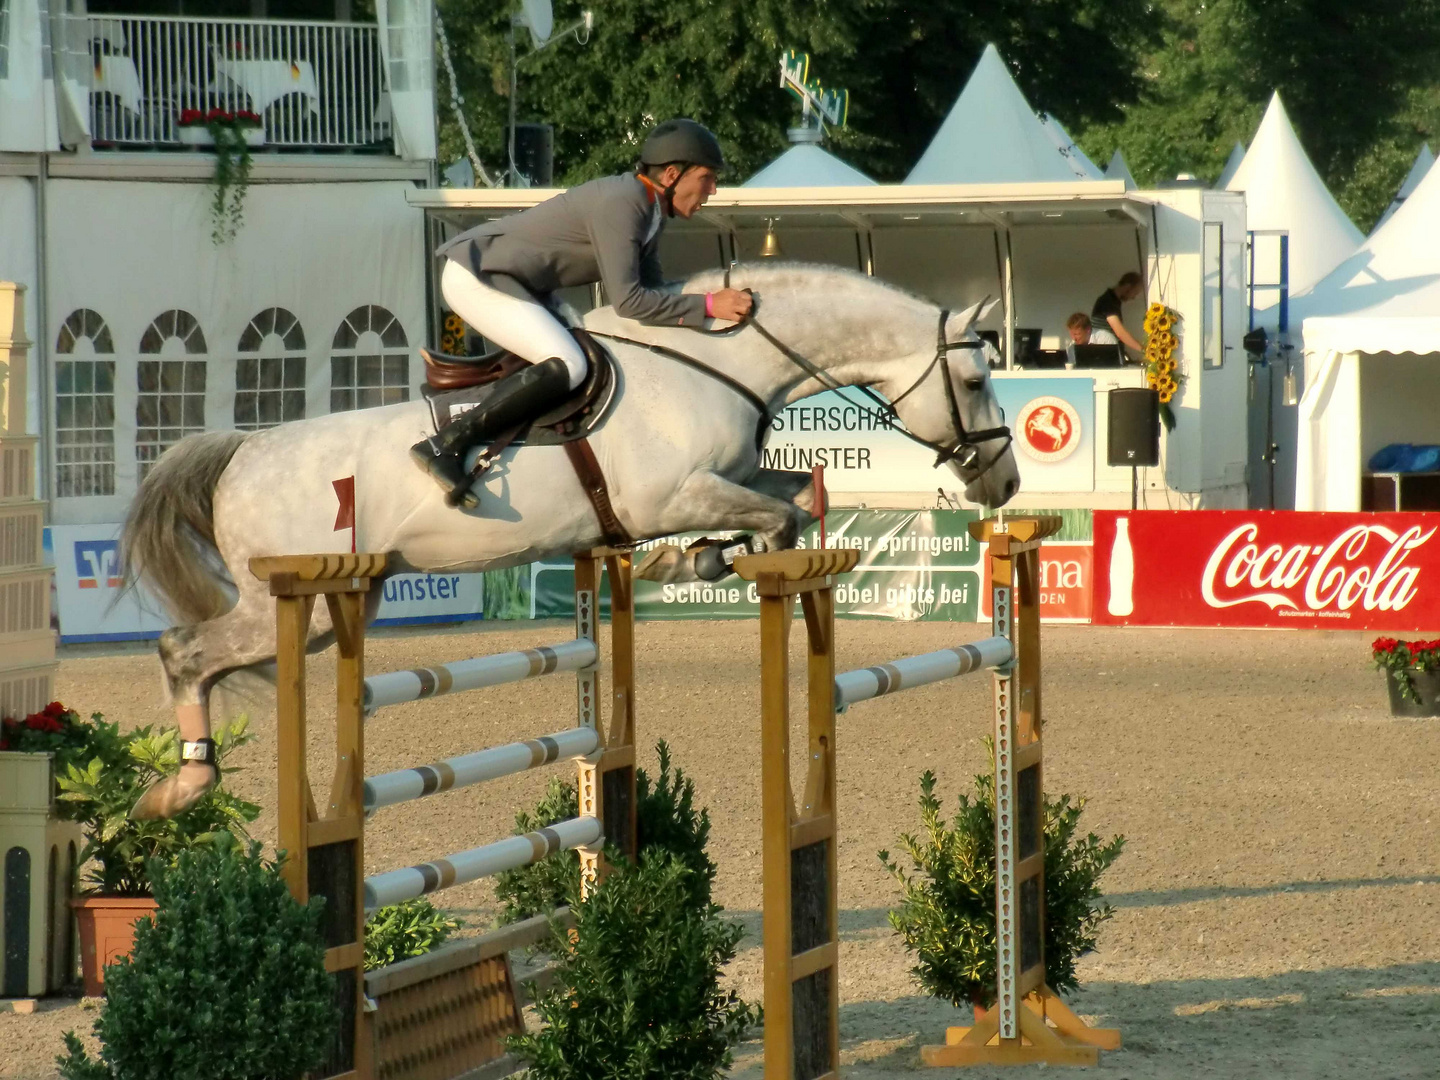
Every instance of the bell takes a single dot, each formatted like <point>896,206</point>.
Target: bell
<point>770,249</point>
<point>1290,388</point>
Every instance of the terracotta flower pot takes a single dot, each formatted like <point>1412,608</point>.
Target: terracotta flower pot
<point>107,931</point>
<point>1426,685</point>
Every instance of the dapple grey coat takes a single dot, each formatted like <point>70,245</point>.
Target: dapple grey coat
<point>606,230</point>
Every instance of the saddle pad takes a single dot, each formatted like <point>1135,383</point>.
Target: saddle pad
<point>573,418</point>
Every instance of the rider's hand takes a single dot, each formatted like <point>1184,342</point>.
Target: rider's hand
<point>731,305</point>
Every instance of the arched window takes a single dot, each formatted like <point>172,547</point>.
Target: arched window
<point>270,372</point>
<point>84,407</point>
<point>369,361</point>
<point>171,399</point>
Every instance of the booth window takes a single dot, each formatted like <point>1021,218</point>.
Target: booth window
<point>1213,307</point>
<point>171,399</point>
<point>270,372</point>
<point>84,407</point>
<point>369,361</point>
<point>4,39</point>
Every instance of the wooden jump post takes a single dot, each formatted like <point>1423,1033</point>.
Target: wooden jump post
<point>444,1014</point>
<point>800,929</point>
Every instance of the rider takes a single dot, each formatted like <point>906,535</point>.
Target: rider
<point>498,278</point>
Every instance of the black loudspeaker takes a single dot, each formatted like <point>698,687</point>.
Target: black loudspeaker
<point>535,153</point>
<point>1134,427</point>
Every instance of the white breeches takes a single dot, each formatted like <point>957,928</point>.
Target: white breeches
<point>524,327</point>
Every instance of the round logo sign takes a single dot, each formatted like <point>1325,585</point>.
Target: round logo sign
<point>1048,429</point>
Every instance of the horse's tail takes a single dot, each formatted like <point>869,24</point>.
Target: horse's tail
<point>169,535</point>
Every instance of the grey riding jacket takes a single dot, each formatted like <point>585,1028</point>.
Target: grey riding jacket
<point>606,230</point>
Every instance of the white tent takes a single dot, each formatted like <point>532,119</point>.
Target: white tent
<point>991,136</point>
<point>1372,376</point>
<point>1284,192</point>
<point>807,165</point>
<point>1232,166</point>
<point>1423,160</point>
<point>1119,170</point>
<point>1082,166</point>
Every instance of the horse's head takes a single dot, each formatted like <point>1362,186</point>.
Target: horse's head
<point>964,415</point>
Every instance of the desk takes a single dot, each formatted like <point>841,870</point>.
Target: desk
<point>267,81</point>
<point>115,74</point>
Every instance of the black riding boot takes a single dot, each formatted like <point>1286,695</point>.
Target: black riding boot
<point>515,399</point>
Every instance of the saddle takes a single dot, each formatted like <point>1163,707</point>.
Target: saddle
<point>456,384</point>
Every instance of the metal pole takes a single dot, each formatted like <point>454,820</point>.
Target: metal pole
<point>511,177</point>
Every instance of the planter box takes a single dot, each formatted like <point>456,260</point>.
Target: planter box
<point>24,612</point>
<point>200,136</point>
<point>28,689</point>
<point>21,525</point>
<point>17,467</point>
<point>107,932</point>
<point>39,859</point>
<point>1427,687</point>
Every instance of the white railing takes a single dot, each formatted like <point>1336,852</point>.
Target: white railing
<point>314,84</point>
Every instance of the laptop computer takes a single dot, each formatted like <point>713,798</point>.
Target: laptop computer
<point>1098,356</point>
<point>1046,358</point>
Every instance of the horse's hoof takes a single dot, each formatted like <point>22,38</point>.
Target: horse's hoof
<point>659,564</point>
<point>173,795</point>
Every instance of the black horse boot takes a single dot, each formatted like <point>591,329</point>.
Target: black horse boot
<point>516,398</point>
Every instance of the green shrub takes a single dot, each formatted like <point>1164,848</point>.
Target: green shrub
<point>403,930</point>
<point>637,993</point>
<point>100,791</point>
<point>226,982</point>
<point>666,820</point>
<point>947,916</point>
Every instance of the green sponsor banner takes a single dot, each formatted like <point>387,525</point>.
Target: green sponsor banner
<point>914,564</point>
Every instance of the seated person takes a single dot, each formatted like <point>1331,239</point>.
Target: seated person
<point>1106,327</point>
<point>1078,326</point>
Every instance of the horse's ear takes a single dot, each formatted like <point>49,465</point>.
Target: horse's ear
<point>974,313</point>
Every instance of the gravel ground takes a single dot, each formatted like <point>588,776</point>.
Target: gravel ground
<point>1278,902</point>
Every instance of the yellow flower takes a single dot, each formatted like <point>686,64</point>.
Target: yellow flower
<point>1165,397</point>
<point>454,323</point>
<point>1166,366</point>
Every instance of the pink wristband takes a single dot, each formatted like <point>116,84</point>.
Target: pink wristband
<point>709,305</point>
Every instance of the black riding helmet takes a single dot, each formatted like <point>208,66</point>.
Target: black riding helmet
<point>685,143</point>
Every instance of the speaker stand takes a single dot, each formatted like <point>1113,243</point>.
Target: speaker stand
<point>1134,487</point>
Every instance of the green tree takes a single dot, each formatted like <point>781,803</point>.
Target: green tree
<point>718,61</point>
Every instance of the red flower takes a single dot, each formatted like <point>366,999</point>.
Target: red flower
<point>1384,644</point>
<point>217,114</point>
<point>191,116</point>
<point>249,117</point>
<point>55,709</point>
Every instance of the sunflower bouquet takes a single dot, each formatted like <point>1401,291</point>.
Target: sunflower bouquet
<point>452,335</point>
<point>1161,345</point>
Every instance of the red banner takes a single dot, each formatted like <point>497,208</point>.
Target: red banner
<point>1066,571</point>
<point>1267,568</point>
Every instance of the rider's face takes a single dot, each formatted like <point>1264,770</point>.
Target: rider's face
<point>694,188</point>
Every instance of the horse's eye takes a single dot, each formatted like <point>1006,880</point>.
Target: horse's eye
<point>975,383</point>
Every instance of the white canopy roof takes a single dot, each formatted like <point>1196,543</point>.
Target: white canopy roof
<point>991,136</point>
<point>1118,170</point>
<point>1083,167</point>
<point>1232,166</point>
<point>1386,296</point>
<point>807,165</point>
<point>1423,160</point>
<point>1283,191</point>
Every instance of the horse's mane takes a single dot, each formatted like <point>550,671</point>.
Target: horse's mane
<point>777,279</point>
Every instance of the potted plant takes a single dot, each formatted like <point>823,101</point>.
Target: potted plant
<point>35,749</point>
<point>100,792</point>
<point>947,913</point>
<point>231,135</point>
<point>1412,674</point>
<point>226,982</point>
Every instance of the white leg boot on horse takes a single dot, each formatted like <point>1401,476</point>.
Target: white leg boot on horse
<point>681,450</point>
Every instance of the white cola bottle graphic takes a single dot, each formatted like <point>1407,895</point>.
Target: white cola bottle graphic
<point>1122,571</point>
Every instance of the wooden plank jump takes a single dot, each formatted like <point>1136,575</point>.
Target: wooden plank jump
<point>800,930</point>
<point>450,1012</point>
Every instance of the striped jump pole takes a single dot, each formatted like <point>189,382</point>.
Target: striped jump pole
<point>487,860</point>
<point>872,682</point>
<point>453,1018</point>
<point>395,687</point>
<point>403,785</point>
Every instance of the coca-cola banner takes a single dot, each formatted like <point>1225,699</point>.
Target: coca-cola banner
<point>1267,568</point>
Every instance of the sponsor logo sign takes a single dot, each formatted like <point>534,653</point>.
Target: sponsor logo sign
<point>1066,582</point>
<point>1268,568</point>
<point>1053,422</point>
<point>1048,429</point>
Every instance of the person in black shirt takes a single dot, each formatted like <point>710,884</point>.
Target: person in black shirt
<point>1106,327</point>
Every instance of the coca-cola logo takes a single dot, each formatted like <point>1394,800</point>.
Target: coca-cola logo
<point>1334,576</point>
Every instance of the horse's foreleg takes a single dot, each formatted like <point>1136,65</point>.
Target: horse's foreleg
<point>709,501</point>
<point>195,658</point>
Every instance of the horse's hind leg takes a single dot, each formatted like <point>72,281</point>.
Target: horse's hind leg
<point>195,657</point>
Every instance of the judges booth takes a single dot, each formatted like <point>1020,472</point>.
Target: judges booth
<point>1045,251</point>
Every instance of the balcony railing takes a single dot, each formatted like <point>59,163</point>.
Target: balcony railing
<point>316,85</point>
